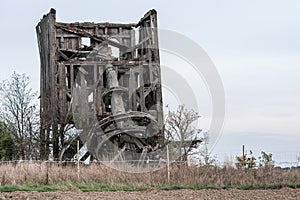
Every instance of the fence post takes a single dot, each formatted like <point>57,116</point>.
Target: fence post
<point>168,164</point>
<point>78,160</point>
<point>47,172</point>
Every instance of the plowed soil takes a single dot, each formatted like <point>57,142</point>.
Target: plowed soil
<point>285,193</point>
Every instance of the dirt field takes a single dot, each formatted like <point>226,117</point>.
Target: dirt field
<point>284,193</point>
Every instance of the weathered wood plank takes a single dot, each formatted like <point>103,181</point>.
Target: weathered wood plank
<point>98,38</point>
<point>141,88</point>
<point>92,25</point>
<point>131,90</point>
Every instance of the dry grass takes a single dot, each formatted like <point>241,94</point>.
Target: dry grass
<point>181,176</point>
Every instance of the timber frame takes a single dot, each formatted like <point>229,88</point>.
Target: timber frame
<point>82,82</point>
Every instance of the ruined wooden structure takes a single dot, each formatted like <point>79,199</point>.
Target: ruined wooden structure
<point>105,79</point>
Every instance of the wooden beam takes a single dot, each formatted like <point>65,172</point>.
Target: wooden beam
<point>131,91</point>
<point>98,38</point>
<point>92,25</point>
<point>127,63</point>
<point>72,78</point>
<point>141,88</point>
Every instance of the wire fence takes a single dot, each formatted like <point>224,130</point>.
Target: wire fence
<point>289,159</point>
<point>281,160</point>
<point>155,164</point>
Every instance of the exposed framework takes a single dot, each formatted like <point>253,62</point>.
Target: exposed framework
<point>98,77</point>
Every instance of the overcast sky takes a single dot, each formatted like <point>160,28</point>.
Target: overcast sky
<point>255,45</point>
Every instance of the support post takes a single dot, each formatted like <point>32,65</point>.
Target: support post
<point>78,162</point>
<point>168,164</point>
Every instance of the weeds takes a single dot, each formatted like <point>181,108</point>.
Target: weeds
<point>98,177</point>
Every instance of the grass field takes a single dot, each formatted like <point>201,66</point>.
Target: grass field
<point>44,177</point>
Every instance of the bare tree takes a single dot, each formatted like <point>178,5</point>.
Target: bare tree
<point>19,111</point>
<point>205,156</point>
<point>179,129</point>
